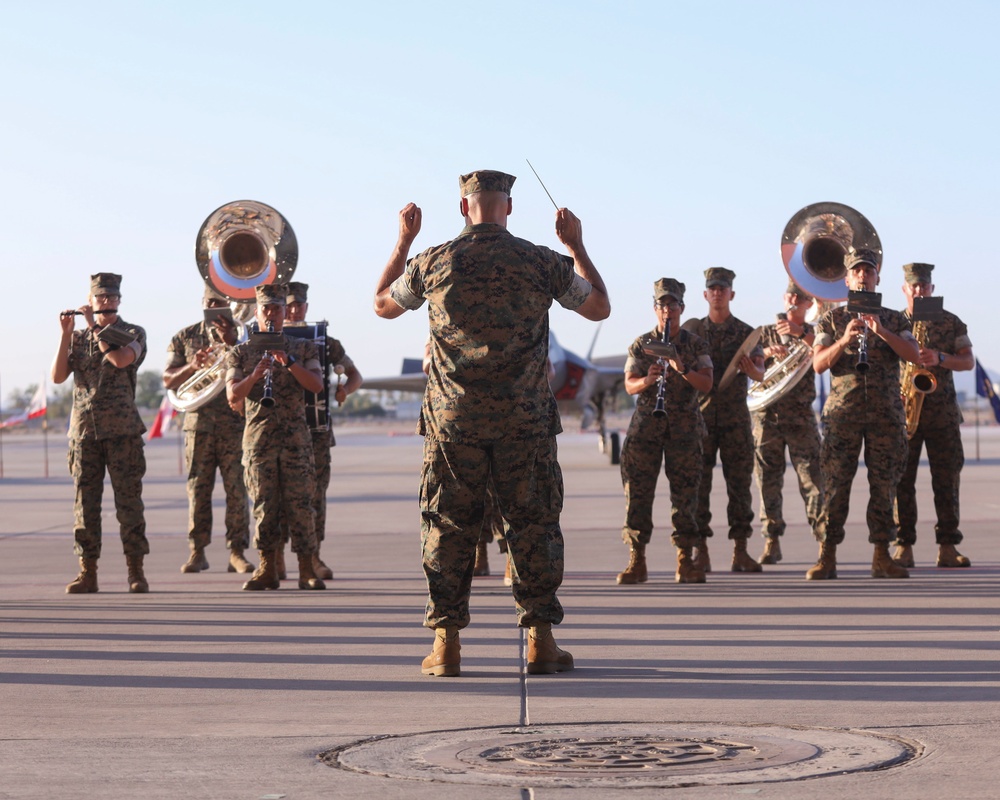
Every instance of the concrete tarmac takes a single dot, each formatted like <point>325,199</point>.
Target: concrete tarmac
<point>199,689</point>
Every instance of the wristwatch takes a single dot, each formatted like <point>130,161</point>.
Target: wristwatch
<point>292,361</point>
<point>940,357</point>
<point>684,371</point>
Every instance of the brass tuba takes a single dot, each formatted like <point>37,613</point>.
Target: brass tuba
<point>915,383</point>
<point>240,246</point>
<point>813,246</point>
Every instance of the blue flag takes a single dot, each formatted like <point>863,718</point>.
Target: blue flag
<point>984,388</point>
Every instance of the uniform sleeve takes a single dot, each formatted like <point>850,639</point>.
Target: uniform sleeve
<point>407,290</point>
<point>310,356</point>
<point>962,339</point>
<point>175,353</point>
<point>234,371</point>
<point>569,290</point>
<point>633,365</point>
<point>825,335</point>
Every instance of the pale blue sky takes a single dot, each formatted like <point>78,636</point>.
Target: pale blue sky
<point>684,135</point>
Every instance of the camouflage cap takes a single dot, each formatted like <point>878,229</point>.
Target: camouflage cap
<point>719,276</point>
<point>668,287</point>
<point>298,292</point>
<point>485,180</point>
<point>105,283</point>
<point>211,294</point>
<point>798,291</point>
<point>918,273</point>
<point>271,294</point>
<point>863,256</point>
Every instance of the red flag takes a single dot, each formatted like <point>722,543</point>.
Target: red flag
<point>37,407</point>
<point>164,417</point>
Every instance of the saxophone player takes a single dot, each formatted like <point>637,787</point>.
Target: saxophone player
<point>945,348</point>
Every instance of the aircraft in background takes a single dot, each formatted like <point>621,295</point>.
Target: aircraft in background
<point>581,387</point>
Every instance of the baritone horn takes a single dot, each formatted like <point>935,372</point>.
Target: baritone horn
<point>240,246</point>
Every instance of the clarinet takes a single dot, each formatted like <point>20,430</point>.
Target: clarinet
<point>267,400</point>
<point>660,411</point>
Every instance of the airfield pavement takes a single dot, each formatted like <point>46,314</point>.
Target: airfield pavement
<point>201,690</point>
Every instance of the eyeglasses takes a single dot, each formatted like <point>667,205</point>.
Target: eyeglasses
<point>671,306</point>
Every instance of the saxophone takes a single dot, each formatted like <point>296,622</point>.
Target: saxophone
<point>915,382</point>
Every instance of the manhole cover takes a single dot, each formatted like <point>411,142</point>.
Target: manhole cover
<point>589,755</point>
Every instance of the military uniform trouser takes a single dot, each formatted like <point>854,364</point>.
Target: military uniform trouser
<point>493,525</point>
<point>733,441</point>
<point>770,439</point>
<point>280,481</point>
<point>945,457</point>
<point>125,461</point>
<point>885,452</point>
<point>646,448</point>
<point>529,490</point>
<point>204,452</point>
<point>321,465</point>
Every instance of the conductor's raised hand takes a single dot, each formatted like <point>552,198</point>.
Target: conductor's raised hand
<point>409,222</point>
<point>569,229</point>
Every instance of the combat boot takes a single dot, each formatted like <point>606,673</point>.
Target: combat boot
<point>238,561</point>
<point>883,566</point>
<point>701,557</point>
<point>279,563</point>
<point>86,581</point>
<point>445,658</point>
<point>136,579</point>
<point>322,570</point>
<point>741,558</point>
<point>948,556</point>
<point>544,655</point>
<point>266,575</point>
<point>196,561</point>
<point>307,575</point>
<point>482,565</point>
<point>772,551</point>
<point>825,569</point>
<point>635,572</point>
<point>904,555</point>
<point>688,570</point>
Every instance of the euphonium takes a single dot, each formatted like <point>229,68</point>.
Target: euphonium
<point>914,383</point>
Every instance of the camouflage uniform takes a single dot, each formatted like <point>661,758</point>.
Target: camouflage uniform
<point>488,410</point>
<point>277,448</point>
<point>673,441</point>
<point>213,436</point>
<point>862,408</point>
<point>939,429</point>
<point>727,420</point>
<point>105,433</point>
<point>787,422</point>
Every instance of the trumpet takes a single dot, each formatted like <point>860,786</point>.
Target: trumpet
<point>267,400</point>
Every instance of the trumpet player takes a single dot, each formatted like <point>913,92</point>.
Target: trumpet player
<point>277,447</point>
<point>864,408</point>
<point>105,430</point>
<point>213,439</point>
<point>666,430</point>
<point>787,423</point>
<point>945,348</point>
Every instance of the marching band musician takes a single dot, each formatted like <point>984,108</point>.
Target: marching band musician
<point>105,431</point>
<point>277,450</point>
<point>787,422</point>
<point>213,440</point>
<point>672,439</point>
<point>863,407</point>
<point>296,308</point>
<point>946,349</point>
<point>727,420</point>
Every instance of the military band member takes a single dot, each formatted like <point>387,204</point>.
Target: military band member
<point>727,420</point>
<point>213,440</point>
<point>672,439</point>
<point>787,423</point>
<point>488,409</point>
<point>277,448</point>
<point>863,408</point>
<point>105,432</point>
<point>945,349</point>
<point>296,309</point>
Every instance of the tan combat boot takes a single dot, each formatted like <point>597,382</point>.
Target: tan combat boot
<point>307,576</point>
<point>825,569</point>
<point>279,563</point>
<point>238,561</point>
<point>883,566</point>
<point>196,561</point>
<point>904,555</point>
<point>948,556</point>
<point>772,551</point>
<point>687,570</point>
<point>445,658</point>
<point>635,572</point>
<point>482,565</point>
<point>322,570</point>
<point>741,558</point>
<point>544,655</point>
<point>86,581</point>
<point>266,575</point>
<point>701,557</point>
<point>136,579</point>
